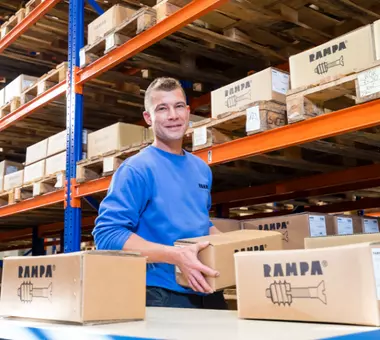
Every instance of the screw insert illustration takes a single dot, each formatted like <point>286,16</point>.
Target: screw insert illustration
<point>27,292</point>
<point>324,67</point>
<point>284,293</point>
<point>232,101</point>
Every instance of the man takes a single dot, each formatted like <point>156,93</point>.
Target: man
<point>158,196</point>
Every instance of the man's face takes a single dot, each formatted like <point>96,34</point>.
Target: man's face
<point>169,115</point>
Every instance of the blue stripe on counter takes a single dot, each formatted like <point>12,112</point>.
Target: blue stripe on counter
<point>370,335</point>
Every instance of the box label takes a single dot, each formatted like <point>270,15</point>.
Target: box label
<point>369,82</point>
<point>376,269</point>
<point>317,225</point>
<point>371,226</point>
<point>280,82</point>
<point>200,136</point>
<point>253,122</point>
<point>345,226</point>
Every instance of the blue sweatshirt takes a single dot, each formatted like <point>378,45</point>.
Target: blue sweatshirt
<point>161,197</point>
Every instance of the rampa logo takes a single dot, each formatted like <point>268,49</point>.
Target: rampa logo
<point>328,51</point>
<point>237,88</point>
<point>294,269</point>
<point>260,247</point>
<point>36,271</point>
<point>274,226</point>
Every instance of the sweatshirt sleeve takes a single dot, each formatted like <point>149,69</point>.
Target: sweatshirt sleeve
<point>120,210</point>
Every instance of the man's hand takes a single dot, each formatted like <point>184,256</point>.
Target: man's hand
<point>193,269</point>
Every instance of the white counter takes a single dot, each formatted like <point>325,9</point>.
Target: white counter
<point>167,323</point>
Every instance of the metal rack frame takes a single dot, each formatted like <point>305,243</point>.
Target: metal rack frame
<point>343,121</point>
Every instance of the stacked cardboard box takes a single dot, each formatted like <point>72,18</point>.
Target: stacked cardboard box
<point>17,86</point>
<point>115,137</point>
<point>48,156</point>
<point>11,175</point>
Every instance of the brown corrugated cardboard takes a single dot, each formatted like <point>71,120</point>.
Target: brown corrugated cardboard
<point>114,137</point>
<point>17,86</point>
<point>339,240</point>
<point>13,180</point>
<point>57,143</point>
<point>269,84</point>
<point>226,224</point>
<point>294,228</point>
<point>107,21</point>
<point>36,152</point>
<point>347,225</point>
<point>333,285</point>
<point>78,287</point>
<point>376,35</point>
<point>34,171</point>
<point>219,255</point>
<point>6,168</point>
<point>55,164</point>
<point>337,57</point>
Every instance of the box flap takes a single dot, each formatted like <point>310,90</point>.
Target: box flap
<point>112,253</point>
<point>232,236</point>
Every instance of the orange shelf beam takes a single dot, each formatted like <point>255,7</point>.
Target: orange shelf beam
<point>92,187</point>
<point>171,24</point>
<point>32,106</point>
<point>343,121</point>
<point>33,203</point>
<point>28,21</point>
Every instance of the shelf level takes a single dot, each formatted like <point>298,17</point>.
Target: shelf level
<point>171,24</point>
<point>32,106</point>
<point>332,124</point>
<point>33,203</point>
<point>28,21</point>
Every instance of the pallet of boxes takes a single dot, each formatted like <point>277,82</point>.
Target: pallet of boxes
<point>333,76</point>
<point>250,105</point>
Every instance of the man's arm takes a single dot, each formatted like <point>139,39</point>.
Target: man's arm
<point>117,222</point>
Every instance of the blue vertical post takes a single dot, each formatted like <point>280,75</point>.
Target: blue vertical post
<point>74,125</point>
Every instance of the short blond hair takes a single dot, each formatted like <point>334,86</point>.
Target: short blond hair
<point>161,84</point>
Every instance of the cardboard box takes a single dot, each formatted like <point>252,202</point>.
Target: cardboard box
<point>332,285</point>
<point>226,224</point>
<point>269,84</point>
<point>2,97</point>
<point>164,9</point>
<point>338,57</point>
<point>34,172</point>
<point>108,21</point>
<point>17,86</point>
<point>7,168</point>
<point>36,152</point>
<point>294,228</point>
<point>376,36</point>
<point>13,180</point>
<point>57,143</point>
<point>339,240</point>
<point>219,255</point>
<point>114,137</point>
<point>82,287</point>
<point>55,164</point>
<point>347,225</point>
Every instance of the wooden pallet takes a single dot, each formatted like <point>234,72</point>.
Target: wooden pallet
<point>13,105</point>
<point>105,164</point>
<point>339,93</point>
<point>12,22</point>
<point>143,19</point>
<point>41,186</point>
<point>258,117</point>
<point>31,5</point>
<point>7,198</point>
<point>42,84</point>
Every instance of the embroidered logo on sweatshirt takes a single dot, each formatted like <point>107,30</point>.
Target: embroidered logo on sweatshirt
<point>203,186</point>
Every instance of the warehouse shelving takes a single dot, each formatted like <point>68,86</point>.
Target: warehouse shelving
<point>340,122</point>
